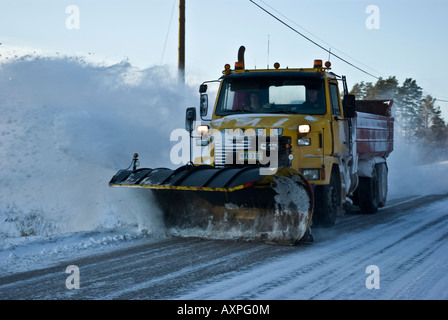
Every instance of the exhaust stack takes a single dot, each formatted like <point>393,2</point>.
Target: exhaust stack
<point>239,65</point>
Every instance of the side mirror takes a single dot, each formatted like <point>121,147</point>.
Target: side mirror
<point>348,104</point>
<point>204,105</point>
<point>203,88</point>
<point>190,118</point>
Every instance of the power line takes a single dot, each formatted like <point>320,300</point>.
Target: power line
<point>312,41</point>
<point>321,40</point>
<point>168,31</point>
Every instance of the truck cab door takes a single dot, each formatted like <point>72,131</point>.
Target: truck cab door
<point>339,130</point>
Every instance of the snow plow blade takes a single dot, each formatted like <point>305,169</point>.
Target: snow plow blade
<point>235,201</point>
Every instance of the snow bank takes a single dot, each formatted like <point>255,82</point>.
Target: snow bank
<point>67,126</point>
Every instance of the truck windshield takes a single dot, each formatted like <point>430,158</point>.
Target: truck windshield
<point>271,95</point>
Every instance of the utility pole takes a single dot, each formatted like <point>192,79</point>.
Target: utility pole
<point>181,41</point>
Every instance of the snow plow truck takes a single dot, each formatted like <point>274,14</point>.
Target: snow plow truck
<point>283,149</point>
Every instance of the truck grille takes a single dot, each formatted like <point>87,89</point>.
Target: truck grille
<point>251,150</point>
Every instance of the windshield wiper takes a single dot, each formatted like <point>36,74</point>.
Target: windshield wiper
<point>283,111</point>
<point>227,112</point>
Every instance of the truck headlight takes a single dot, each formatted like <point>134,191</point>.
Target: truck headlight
<point>304,128</point>
<point>304,142</point>
<point>311,174</point>
<point>202,143</point>
<point>203,129</point>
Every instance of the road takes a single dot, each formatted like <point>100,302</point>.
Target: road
<point>405,242</point>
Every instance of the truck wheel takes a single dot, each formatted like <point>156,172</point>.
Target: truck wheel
<point>382,184</point>
<point>368,193</point>
<point>326,202</point>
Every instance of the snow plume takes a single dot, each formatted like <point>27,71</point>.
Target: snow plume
<point>67,126</point>
<point>409,177</point>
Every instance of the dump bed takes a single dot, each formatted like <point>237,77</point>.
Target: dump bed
<point>374,128</point>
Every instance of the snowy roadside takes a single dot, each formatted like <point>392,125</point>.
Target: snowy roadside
<point>33,252</point>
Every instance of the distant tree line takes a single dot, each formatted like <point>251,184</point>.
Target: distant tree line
<point>417,118</point>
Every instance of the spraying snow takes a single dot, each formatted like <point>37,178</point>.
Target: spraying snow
<point>67,127</point>
<point>407,176</point>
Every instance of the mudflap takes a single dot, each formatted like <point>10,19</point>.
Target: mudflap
<point>231,202</point>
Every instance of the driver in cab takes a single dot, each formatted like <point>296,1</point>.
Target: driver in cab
<point>254,103</point>
<point>315,102</point>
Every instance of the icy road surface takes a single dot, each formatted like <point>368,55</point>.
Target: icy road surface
<point>406,242</point>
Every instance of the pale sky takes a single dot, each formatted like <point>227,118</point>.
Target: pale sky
<point>406,39</point>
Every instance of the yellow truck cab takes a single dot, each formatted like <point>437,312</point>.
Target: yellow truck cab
<point>296,118</point>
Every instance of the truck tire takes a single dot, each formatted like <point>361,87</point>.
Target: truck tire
<point>368,193</point>
<point>327,202</point>
<point>382,184</point>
